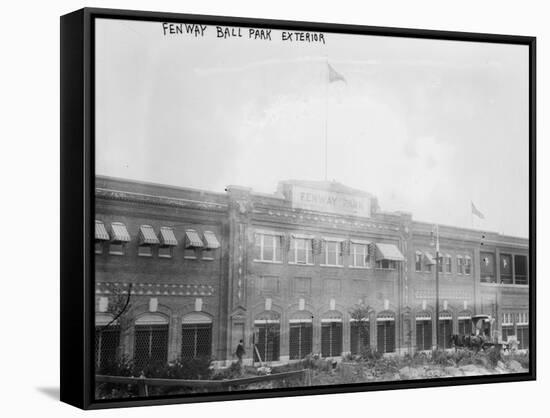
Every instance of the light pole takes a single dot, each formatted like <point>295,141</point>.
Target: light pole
<point>436,286</point>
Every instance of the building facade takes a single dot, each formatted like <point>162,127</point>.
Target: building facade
<point>195,272</point>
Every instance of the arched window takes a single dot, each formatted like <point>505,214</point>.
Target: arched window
<point>385,330</point>
<point>423,331</point>
<point>300,335</point>
<point>267,337</point>
<point>331,334</point>
<point>196,336</point>
<point>359,335</point>
<point>107,340</point>
<point>465,323</point>
<point>150,340</point>
<point>445,330</point>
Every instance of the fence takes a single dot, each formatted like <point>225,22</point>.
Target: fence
<point>143,383</point>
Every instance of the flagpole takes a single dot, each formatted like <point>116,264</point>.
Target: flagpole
<point>326,119</point>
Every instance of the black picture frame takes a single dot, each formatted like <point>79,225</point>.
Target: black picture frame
<point>77,204</point>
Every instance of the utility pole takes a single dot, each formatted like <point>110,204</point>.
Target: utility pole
<point>436,287</point>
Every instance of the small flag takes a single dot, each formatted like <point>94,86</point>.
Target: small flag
<point>334,76</point>
<point>476,212</point>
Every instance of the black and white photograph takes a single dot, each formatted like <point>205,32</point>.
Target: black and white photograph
<point>282,209</point>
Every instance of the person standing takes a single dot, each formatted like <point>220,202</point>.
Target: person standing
<point>240,352</point>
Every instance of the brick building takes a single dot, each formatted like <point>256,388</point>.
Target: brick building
<point>283,271</point>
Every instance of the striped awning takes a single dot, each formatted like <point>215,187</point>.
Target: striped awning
<point>147,235</point>
<point>167,237</point>
<point>388,252</point>
<point>212,242</point>
<point>100,231</point>
<point>430,259</point>
<point>119,232</point>
<point>193,239</point>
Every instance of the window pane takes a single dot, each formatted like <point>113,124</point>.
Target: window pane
<point>520,269</point>
<point>418,263</point>
<point>277,248</point>
<point>257,247</point>
<point>266,338</point>
<point>488,267</point>
<point>269,248</point>
<point>467,266</point>
<point>448,264</point>
<point>506,269</point>
<point>300,251</point>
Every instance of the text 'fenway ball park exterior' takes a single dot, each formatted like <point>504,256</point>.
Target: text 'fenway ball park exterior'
<point>194,272</point>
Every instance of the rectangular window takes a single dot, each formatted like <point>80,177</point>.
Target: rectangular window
<point>440,263</point>
<point>145,251</point>
<point>385,337</point>
<point>116,248</point>
<point>333,253</point>
<point>267,248</point>
<point>520,269</point>
<point>467,265</point>
<point>459,265</point>
<point>98,247</point>
<point>359,336</point>
<point>386,264</point>
<point>300,340</point>
<point>331,339</point>
<point>418,261</point>
<point>190,253</point>
<point>505,269</point>
<point>301,251</point>
<point>360,256</point>
<point>487,268</point>
<point>448,261</point>
<point>165,252</point>
<point>423,334</point>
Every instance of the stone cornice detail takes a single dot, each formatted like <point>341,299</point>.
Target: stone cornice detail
<point>141,198</point>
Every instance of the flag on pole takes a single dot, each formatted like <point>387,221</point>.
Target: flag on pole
<point>477,212</point>
<point>334,76</point>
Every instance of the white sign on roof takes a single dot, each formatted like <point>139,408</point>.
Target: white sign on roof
<point>331,201</point>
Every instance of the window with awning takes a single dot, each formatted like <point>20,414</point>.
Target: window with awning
<point>147,235</point>
<point>193,239</point>
<point>119,232</point>
<point>429,259</point>
<point>167,237</point>
<point>212,242</point>
<point>388,252</point>
<point>387,256</point>
<point>101,233</point>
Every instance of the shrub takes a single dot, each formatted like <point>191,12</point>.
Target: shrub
<point>368,354</point>
<point>494,355</point>
<point>187,369</point>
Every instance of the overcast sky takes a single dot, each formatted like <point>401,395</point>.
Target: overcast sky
<point>426,126</point>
